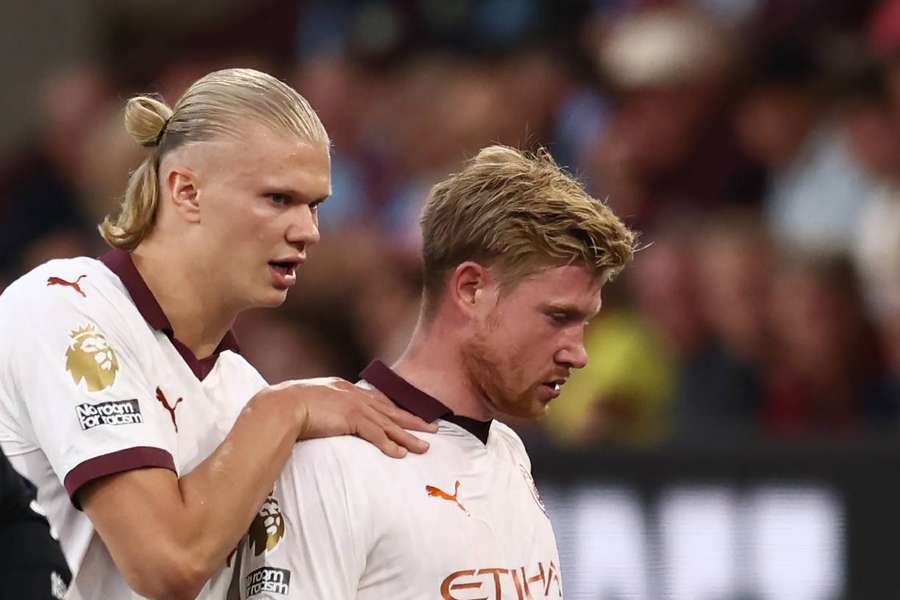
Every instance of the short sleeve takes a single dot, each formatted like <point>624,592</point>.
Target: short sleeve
<point>77,369</point>
<point>311,536</point>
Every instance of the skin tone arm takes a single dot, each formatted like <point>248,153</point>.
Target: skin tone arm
<point>168,536</point>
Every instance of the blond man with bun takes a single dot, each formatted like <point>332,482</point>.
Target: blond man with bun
<point>123,395</point>
<point>515,256</point>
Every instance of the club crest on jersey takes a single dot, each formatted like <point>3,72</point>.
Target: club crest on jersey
<point>267,528</point>
<point>533,488</point>
<point>91,359</point>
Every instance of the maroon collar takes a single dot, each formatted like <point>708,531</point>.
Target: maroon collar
<point>121,263</point>
<point>413,400</point>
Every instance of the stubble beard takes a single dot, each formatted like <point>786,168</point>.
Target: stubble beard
<point>485,367</point>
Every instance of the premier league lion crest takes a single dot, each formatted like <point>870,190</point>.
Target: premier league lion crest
<point>90,358</point>
<point>267,528</point>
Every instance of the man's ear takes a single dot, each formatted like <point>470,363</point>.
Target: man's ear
<point>470,286</point>
<point>181,184</point>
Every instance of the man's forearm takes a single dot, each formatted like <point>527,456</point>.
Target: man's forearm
<point>221,495</point>
<point>168,536</point>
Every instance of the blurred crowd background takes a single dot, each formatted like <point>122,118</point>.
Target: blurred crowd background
<point>755,144</point>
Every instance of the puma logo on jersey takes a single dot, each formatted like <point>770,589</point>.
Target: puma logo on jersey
<point>72,284</point>
<point>165,402</point>
<point>439,493</point>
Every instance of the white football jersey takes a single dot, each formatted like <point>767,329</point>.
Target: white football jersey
<point>92,382</point>
<point>462,521</point>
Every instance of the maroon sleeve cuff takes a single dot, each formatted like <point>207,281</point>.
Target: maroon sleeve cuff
<point>140,457</point>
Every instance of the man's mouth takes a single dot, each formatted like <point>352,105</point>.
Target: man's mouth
<point>286,268</point>
<point>555,385</point>
<point>284,272</point>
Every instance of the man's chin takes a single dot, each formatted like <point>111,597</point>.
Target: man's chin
<point>272,299</point>
<point>533,410</point>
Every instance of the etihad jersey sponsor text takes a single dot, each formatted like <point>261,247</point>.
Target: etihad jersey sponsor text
<point>542,582</point>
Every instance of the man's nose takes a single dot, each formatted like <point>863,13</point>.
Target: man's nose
<point>304,226</point>
<point>573,354</point>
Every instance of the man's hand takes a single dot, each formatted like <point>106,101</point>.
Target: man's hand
<point>330,406</point>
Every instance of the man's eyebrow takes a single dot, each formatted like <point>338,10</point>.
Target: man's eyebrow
<point>569,310</point>
<point>297,194</point>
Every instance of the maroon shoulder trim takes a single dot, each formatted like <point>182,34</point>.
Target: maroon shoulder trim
<point>121,263</point>
<point>403,393</point>
<point>139,457</point>
<point>412,399</point>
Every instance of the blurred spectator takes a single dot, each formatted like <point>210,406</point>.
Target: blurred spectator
<point>343,97</point>
<point>826,362</point>
<point>817,189</point>
<point>885,410</point>
<point>722,383</point>
<point>735,266</point>
<point>109,155</point>
<point>39,194</point>
<point>669,146</point>
<point>872,122</point>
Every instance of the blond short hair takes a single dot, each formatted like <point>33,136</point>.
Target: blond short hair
<point>517,212</point>
<point>214,106</point>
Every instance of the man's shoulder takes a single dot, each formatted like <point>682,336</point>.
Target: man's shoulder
<point>352,455</point>
<point>61,279</point>
<point>511,440</point>
<point>351,450</point>
<point>507,433</point>
<point>62,296</point>
<point>236,363</point>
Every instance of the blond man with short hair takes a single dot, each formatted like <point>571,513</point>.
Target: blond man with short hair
<point>515,256</point>
<point>123,391</point>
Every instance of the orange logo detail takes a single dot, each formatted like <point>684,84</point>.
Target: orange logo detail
<point>165,402</point>
<point>499,582</point>
<point>439,493</point>
<point>72,284</point>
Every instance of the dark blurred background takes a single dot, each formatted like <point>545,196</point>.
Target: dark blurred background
<point>748,359</point>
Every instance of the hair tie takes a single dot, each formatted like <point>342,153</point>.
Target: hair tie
<point>162,131</point>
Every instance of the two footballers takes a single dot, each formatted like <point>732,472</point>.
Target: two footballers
<point>127,396</point>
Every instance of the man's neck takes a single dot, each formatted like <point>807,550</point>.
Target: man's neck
<point>198,318</point>
<point>432,363</point>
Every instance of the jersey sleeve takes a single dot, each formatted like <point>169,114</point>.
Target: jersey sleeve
<point>77,370</point>
<point>310,539</point>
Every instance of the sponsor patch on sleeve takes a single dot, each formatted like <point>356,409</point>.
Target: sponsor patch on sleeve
<point>268,579</point>
<point>115,412</point>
